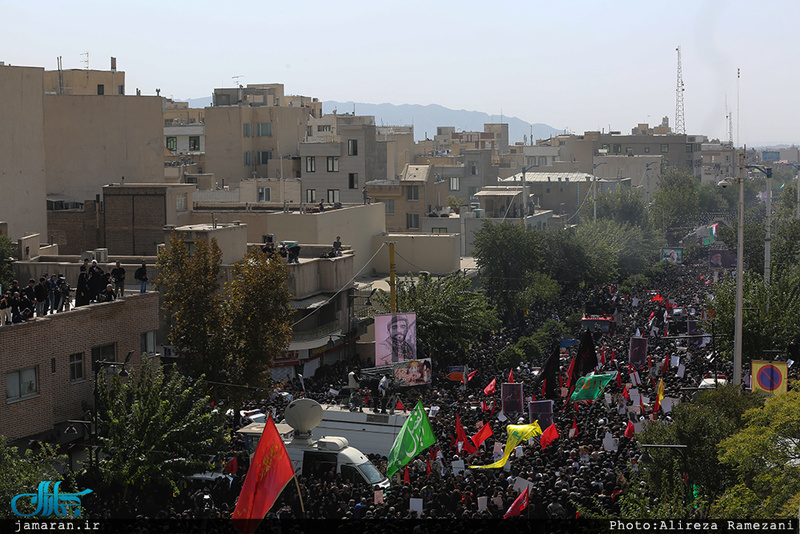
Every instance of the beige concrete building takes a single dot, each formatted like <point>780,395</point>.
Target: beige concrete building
<point>85,81</point>
<point>719,162</point>
<point>447,140</point>
<point>22,151</point>
<point>408,200</point>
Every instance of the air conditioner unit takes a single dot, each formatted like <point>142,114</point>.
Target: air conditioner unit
<point>101,255</point>
<point>268,238</point>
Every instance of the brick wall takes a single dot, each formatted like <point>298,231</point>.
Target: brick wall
<point>36,343</point>
<point>75,231</point>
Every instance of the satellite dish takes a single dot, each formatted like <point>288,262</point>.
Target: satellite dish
<point>303,415</point>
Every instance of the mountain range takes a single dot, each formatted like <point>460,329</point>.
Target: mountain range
<point>427,118</point>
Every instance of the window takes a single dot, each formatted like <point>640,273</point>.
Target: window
<point>388,203</point>
<point>246,129</point>
<point>76,367</point>
<point>438,230</point>
<point>264,156</point>
<point>412,221</point>
<point>121,89</point>
<point>323,127</point>
<point>53,365</point>
<point>473,168</point>
<point>311,164</point>
<point>311,196</point>
<point>172,143</point>
<point>688,148</point>
<point>148,342</point>
<point>333,163</point>
<point>647,150</point>
<point>617,149</point>
<point>454,183</point>
<point>352,180</point>
<point>248,158</point>
<point>180,202</point>
<point>333,196</point>
<point>264,129</point>
<point>103,353</point>
<point>412,192</point>
<point>194,142</point>
<point>664,148</point>
<point>264,194</point>
<point>21,384</point>
<point>101,89</point>
<point>352,147</point>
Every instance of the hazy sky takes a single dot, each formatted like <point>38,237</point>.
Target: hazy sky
<point>574,65</point>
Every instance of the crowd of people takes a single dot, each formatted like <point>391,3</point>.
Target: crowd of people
<point>585,468</point>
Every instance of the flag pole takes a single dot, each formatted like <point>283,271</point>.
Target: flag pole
<point>300,496</point>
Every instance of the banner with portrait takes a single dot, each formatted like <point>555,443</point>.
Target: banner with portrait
<point>675,255</point>
<point>541,411</point>
<point>722,259</point>
<point>637,352</point>
<point>413,373</point>
<point>512,398</point>
<point>395,338</point>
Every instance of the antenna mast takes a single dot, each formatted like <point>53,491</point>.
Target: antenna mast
<point>680,125</point>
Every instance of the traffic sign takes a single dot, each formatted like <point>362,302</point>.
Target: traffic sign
<point>769,377</point>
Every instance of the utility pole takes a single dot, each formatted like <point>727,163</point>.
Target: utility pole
<point>392,285</point>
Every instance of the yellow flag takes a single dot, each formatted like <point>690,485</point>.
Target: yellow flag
<point>769,377</point>
<point>661,390</point>
<point>516,434</point>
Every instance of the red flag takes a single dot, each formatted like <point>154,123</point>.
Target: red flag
<point>427,467</point>
<point>461,437</point>
<point>484,408</point>
<point>472,374</point>
<point>603,355</point>
<point>613,354</point>
<point>653,380</point>
<point>619,379</point>
<point>433,453</point>
<point>629,430</point>
<point>649,360</point>
<point>641,403</point>
<point>657,298</point>
<point>625,393</point>
<point>232,466</point>
<point>519,504</point>
<point>406,478</point>
<point>511,376</point>
<point>574,431</point>
<point>269,473</point>
<point>544,385</point>
<point>490,389</point>
<point>482,434</point>
<point>400,406</point>
<point>656,405</point>
<point>569,372</point>
<point>666,365</point>
<point>549,435</point>
<point>492,414</point>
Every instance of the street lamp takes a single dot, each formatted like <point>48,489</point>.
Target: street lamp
<point>594,189</point>
<point>768,223</point>
<point>646,169</point>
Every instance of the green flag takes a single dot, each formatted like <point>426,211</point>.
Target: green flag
<point>590,387</point>
<point>415,436</point>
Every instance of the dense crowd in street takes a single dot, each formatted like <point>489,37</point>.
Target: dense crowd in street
<point>581,470</point>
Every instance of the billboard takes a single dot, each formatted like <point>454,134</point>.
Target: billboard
<point>512,398</point>
<point>637,351</point>
<point>722,259</point>
<point>413,373</point>
<point>675,255</point>
<point>395,338</point>
<point>770,155</point>
<point>541,411</point>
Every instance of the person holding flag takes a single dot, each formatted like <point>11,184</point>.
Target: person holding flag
<point>415,436</point>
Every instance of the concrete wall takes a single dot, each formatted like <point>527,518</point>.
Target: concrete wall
<point>22,151</point>
<point>85,81</point>
<point>91,141</point>
<point>55,338</point>
<point>437,254</point>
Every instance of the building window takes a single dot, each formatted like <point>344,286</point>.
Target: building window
<point>412,221</point>
<point>617,149</point>
<point>107,353</point>
<point>333,196</point>
<point>264,156</point>
<point>53,365</point>
<point>688,148</point>
<point>76,367</point>
<point>101,89</point>
<point>454,183</point>
<point>246,129</point>
<point>412,192</point>
<point>121,89</point>
<point>352,180</point>
<point>664,148</point>
<point>352,147</point>
<point>264,129</point>
<point>333,163</point>
<point>194,143</point>
<point>438,230</point>
<point>473,168</point>
<point>148,342</point>
<point>388,203</point>
<point>21,384</point>
<point>311,164</point>
<point>172,143</point>
<point>264,194</point>
<point>311,196</point>
<point>248,158</point>
<point>647,150</point>
<point>323,127</point>
<point>180,202</point>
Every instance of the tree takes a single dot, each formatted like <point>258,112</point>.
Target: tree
<point>766,454</point>
<point>540,288</point>
<point>22,473</point>
<point>6,252</point>
<point>155,430</point>
<point>449,313</point>
<point>625,206</point>
<point>676,204</point>
<point>230,337</point>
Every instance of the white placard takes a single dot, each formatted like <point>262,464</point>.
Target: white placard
<point>433,411</point>
<point>666,404</point>
<point>645,399</point>
<point>634,393</point>
<point>498,502</point>
<point>610,443</point>
<point>681,371</point>
<point>379,496</point>
<point>415,505</point>
<point>635,302</point>
<point>502,417</point>
<point>482,503</point>
<point>674,361</point>
<point>607,396</point>
<point>521,483</point>
<point>458,466</point>
<point>498,449</point>
<point>518,451</point>
<point>637,428</point>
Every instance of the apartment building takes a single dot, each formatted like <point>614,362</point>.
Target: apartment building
<point>719,161</point>
<point>85,81</point>
<point>448,140</point>
<point>410,198</point>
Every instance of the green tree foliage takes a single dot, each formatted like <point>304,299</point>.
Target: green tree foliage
<point>764,329</point>
<point>624,206</point>
<point>701,426</point>
<point>449,313</point>
<point>677,202</point>
<point>505,252</point>
<point>766,455</point>
<point>21,473</point>
<point>617,249</point>
<point>754,234</point>
<point>7,251</point>
<point>540,289</point>
<point>785,244</point>
<point>712,199</point>
<point>155,429</point>
<point>230,337</point>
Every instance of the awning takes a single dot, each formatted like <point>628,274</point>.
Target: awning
<point>502,193</point>
<point>316,342</point>
<point>308,304</point>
